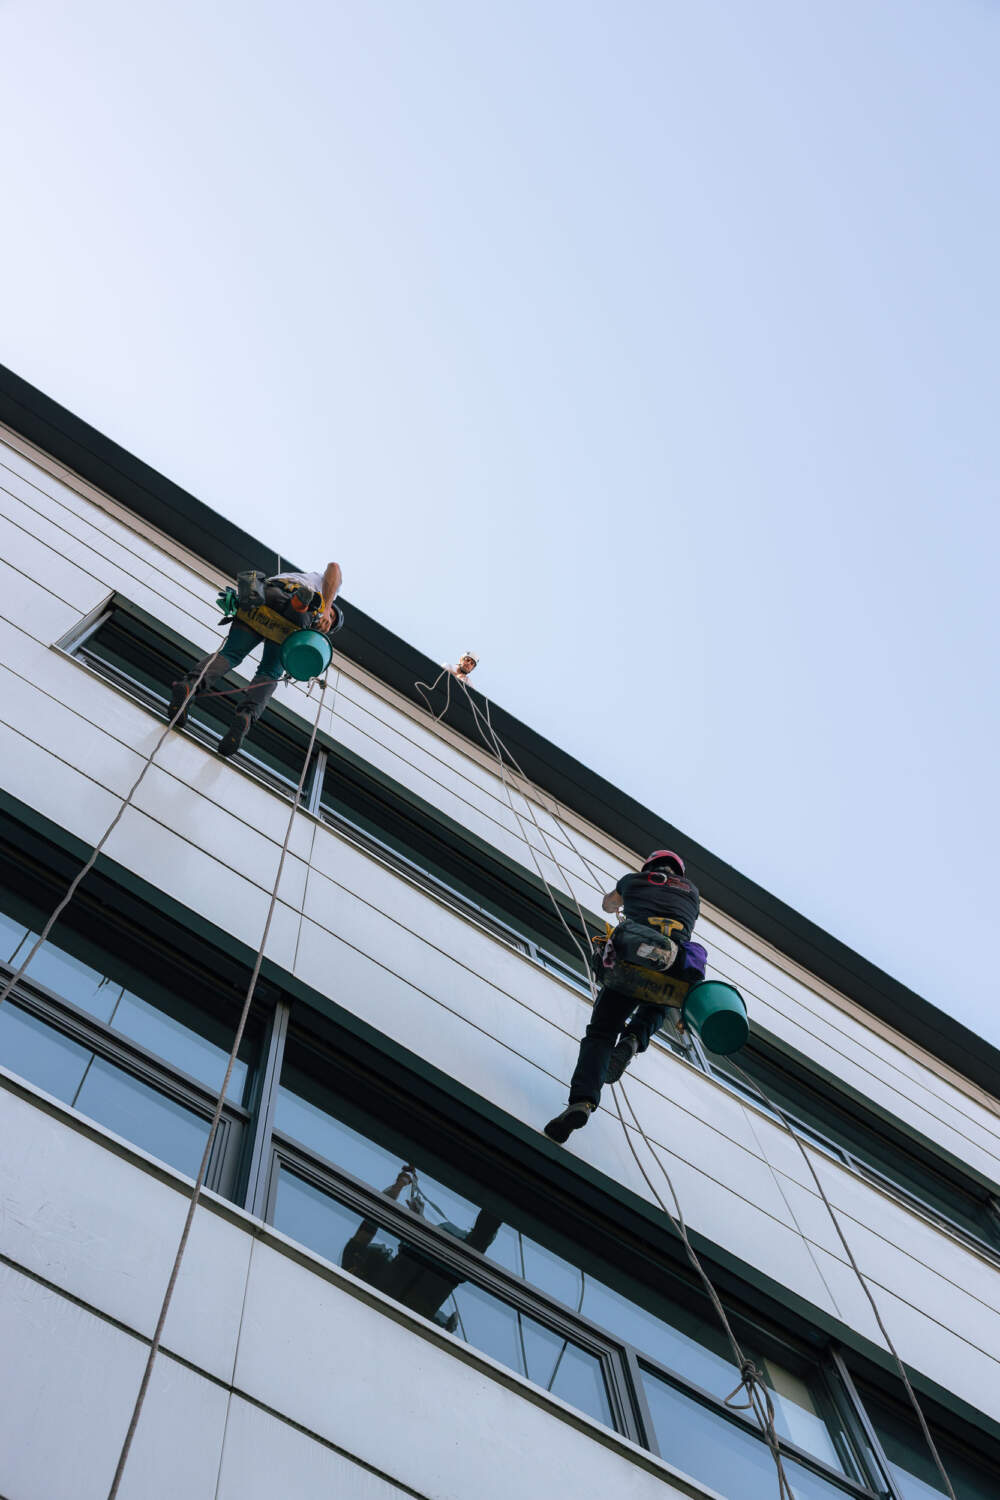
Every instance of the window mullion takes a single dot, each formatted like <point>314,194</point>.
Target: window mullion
<point>316,786</point>
<point>259,1151</point>
<point>863,1424</point>
<point>642,1416</point>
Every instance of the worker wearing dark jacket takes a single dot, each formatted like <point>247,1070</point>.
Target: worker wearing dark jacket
<point>310,593</point>
<point>661,907</point>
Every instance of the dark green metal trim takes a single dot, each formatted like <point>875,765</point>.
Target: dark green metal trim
<point>588,1202</point>
<point>226,546</point>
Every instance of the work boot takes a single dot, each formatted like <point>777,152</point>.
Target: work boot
<point>572,1117</point>
<point>621,1055</point>
<point>237,732</point>
<point>180,699</point>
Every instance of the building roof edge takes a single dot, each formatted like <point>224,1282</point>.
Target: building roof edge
<point>189,521</point>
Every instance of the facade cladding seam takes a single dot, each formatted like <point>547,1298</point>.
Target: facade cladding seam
<point>783,1117</point>
<point>929,1211</point>
<point>230,1387</point>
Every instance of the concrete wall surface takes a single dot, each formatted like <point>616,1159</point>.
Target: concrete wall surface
<point>279,1374</point>
<point>208,834</point>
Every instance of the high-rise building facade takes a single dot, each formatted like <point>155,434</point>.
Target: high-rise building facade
<point>395,1284</point>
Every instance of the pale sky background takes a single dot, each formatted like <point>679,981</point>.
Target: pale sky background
<point>648,348</point>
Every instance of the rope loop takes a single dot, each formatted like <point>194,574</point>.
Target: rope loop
<point>750,1377</point>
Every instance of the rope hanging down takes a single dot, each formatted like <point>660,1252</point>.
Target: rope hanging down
<point>751,1380</point>
<point>758,1396</point>
<point>90,862</point>
<point>925,1429</point>
<point>216,1117</point>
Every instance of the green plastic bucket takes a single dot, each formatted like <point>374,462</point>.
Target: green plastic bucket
<point>306,654</point>
<point>718,1015</point>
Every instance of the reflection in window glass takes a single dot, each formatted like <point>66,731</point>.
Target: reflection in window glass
<point>329,1137</point>
<point>11,934</point>
<point>67,977</point>
<point>912,1466</point>
<point>154,1021</point>
<point>692,1345</point>
<point>129,1107</point>
<point>417,1280</point>
<point>177,1044</point>
<point>41,1055</point>
<point>721,1454</point>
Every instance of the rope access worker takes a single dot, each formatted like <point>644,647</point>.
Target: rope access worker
<point>661,907</point>
<point>407,1275</point>
<point>304,598</point>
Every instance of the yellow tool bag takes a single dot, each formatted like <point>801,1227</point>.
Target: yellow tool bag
<point>633,958</point>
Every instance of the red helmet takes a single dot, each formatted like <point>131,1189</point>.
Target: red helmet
<point>660,854</point>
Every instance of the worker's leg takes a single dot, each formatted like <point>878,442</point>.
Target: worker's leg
<point>252,702</point>
<point>236,646</point>
<point>635,1038</point>
<point>610,1013</point>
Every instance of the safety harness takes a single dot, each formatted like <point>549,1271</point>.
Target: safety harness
<point>634,957</point>
<point>276,609</point>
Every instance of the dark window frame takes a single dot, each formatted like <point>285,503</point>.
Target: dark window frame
<point>622,1362</point>
<point>329,755</point>
<point>801,1079</point>
<point>179,655</point>
<point>138,1062</point>
<point>436,1119</point>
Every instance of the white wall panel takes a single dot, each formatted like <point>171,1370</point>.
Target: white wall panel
<point>806,1007</point>
<point>70,497</point>
<point>63,1419</point>
<point>209,836</point>
<point>296,1330</point>
<point>323,1353</point>
<point>84,1218</point>
<point>265,1457</point>
<point>59,792</point>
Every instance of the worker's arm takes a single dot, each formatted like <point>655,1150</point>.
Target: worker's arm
<point>612,901</point>
<point>332,579</point>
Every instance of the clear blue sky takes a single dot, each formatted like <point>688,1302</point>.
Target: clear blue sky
<point>648,348</point>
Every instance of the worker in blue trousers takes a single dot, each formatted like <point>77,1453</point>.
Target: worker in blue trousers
<point>652,944</point>
<point>306,599</point>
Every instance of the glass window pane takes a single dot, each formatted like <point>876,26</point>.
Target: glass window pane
<point>40,1054</point>
<point>11,933</point>
<point>722,1454</point>
<point>411,1276</point>
<point>178,1044</point>
<point>680,1336</point>
<point>70,978</point>
<point>183,1032</point>
<point>912,1466</point>
<point>132,1109</point>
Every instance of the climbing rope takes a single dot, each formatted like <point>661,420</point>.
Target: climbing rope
<point>90,862</point>
<point>925,1429</point>
<point>759,1398</point>
<point>751,1380</point>
<point>423,688</point>
<point>216,1117</point>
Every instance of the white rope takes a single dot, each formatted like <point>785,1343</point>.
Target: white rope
<point>758,1396</point>
<point>925,1429</point>
<point>90,862</point>
<point>216,1117</point>
<point>766,1419</point>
